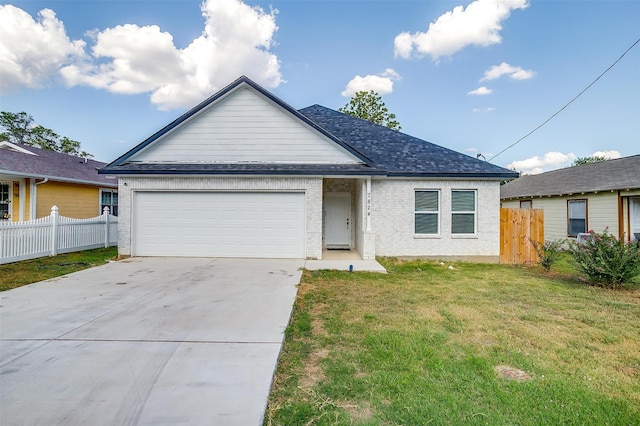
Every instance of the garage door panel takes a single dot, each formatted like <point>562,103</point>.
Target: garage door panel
<point>219,224</point>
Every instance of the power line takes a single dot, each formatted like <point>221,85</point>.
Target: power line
<point>568,103</point>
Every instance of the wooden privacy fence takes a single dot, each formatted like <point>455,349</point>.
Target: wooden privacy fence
<point>55,234</point>
<point>517,228</point>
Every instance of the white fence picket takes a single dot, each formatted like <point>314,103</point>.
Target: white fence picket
<point>55,234</point>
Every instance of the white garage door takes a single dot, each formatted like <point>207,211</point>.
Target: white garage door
<point>219,224</point>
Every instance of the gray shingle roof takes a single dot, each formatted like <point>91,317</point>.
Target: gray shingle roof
<point>619,174</point>
<point>399,154</point>
<point>53,165</point>
<point>382,150</point>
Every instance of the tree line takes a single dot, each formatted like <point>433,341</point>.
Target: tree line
<point>21,128</point>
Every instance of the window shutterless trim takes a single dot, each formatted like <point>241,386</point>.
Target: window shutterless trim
<point>465,212</point>
<point>435,213</point>
<point>114,193</point>
<point>586,215</point>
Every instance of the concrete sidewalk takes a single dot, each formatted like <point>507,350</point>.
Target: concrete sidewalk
<point>146,341</point>
<point>345,265</point>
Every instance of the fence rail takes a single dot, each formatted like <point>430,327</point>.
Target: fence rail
<point>517,228</point>
<point>54,234</point>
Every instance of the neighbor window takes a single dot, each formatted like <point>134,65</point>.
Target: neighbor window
<point>576,217</point>
<point>109,198</point>
<point>463,212</point>
<point>526,204</point>
<point>5,200</point>
<point>427,212</point>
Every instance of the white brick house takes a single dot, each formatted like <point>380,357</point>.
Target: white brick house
<point>243,174</point>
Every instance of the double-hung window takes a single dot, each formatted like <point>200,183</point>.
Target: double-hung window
<point>463,212</point>
<point>5,200</point>
<point>427,212</point>
<point>109,198</point>
<point>576,217</point>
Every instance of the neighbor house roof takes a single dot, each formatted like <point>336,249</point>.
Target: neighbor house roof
<point>382,151</point>
<point>610,175</point>
<point>26,161</point>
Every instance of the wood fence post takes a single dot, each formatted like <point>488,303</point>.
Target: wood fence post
<point>55,217</point>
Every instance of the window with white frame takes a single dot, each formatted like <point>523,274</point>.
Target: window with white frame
<point>427,212</point>
<point>576,217</point>
<point>109,198</point>
<point>463,212</point>
<point>5,201</point>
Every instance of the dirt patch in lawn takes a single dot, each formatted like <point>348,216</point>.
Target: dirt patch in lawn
<point>312,372</point>
<point>512,373</point>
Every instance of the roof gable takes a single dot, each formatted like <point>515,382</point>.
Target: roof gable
<point>611,175</point>
<point>239,125</point>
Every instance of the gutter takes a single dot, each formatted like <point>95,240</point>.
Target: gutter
<point>59,179</point>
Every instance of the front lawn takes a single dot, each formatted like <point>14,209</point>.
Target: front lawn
<point>17,274</point>
<point>479,344</point>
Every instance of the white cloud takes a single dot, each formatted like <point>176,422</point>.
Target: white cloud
<point>487,109</point>
<point>609,155</point>
<point>480,91</point>
<point>549,161</point>
<point>31,52</point>
<point>381,83</point>
<point>130,59</point>
<point>515,73</point>
<point>478,24</point>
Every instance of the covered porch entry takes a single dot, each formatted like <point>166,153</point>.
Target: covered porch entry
<point>346,219</point>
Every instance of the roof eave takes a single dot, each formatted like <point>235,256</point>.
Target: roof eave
<point>59,178</point>
<point>491,176</point>
<point>129,172</point>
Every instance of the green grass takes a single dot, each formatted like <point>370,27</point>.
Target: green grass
<point>425,344</point>
<point>17,274</point>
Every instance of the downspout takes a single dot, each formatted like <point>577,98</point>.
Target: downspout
<point>368,207</point>
<point>34,197</point>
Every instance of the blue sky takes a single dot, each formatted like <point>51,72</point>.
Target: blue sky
<point>471,76</point>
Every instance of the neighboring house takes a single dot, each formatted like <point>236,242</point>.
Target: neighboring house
<point>244,174</point>
<point>578,199</point>
<point>32,180</point>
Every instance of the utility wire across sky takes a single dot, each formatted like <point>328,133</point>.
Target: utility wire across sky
<point>568,103</point>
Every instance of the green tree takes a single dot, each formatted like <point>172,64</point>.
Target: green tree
<point>21,128</point>
<point>588,160</point>
<point>369,106</point>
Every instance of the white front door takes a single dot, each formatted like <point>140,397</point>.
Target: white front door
<point>337,225</point>
<point>634,217</point>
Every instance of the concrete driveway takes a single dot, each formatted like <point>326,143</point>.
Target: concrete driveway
<point>146,341</point>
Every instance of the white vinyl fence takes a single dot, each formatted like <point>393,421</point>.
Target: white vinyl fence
<point>54,234</point>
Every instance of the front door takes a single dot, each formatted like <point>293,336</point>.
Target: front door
<point>337,224</point>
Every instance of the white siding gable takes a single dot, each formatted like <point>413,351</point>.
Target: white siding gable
<point>244,127</point>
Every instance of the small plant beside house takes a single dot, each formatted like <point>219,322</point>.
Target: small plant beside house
<point>607,261</point>
<point>548,252</point>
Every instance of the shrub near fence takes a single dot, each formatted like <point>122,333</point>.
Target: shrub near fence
<point>55,234</point>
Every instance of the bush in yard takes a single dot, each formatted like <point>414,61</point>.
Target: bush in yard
<point>606,260</point>
<point>548,252</point>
